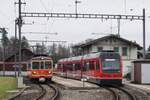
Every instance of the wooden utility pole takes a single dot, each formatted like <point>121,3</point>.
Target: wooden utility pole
<point>15,48</point>
<point>19,22</point>
<point>19,29</point>
<point>144,34</point>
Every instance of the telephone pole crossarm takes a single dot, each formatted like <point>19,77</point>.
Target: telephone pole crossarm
<point>90,16</point>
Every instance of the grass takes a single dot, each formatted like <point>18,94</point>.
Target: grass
<point>6,84</point>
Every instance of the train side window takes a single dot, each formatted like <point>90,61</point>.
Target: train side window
<point>91,65</point>
<point>97,65</point>
<point>59,65</point>
<point>77,66</point>
<point>70,67</point>
<point>84,66</point>
<point>73,67</point>
<point>87,66</point>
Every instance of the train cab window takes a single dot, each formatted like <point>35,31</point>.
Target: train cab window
<point>42,65</point>
<point>35,65</point>
<point>47,65</point>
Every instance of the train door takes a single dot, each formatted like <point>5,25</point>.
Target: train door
<point>88,69</point>
<point>83,69</point>
<point>92,65</point>
<point>97,68</point>
<point>78,70</point>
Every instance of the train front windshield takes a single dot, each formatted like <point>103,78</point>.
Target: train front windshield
<point>110,62</point>
<point>41,65</point>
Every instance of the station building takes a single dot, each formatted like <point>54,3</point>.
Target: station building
<point>128,50</point>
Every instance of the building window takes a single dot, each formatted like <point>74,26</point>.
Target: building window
<point>124,51</point>
<point>116,49</point>
<point>100,49</point>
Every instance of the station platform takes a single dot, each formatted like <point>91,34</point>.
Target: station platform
<point>145,87</point>
<point>70,83</point>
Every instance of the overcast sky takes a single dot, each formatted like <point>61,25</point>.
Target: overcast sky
<point>77,30</point>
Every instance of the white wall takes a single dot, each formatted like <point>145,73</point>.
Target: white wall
<point>145,70</point>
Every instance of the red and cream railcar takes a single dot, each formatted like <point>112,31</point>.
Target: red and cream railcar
<point>101,68</point>
<point>40,68</point>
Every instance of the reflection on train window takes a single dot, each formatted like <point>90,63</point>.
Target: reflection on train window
<point>47,64</point>
<point>42,65</point>
<point>35,65</point>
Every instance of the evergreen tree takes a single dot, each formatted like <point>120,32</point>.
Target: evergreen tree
<point>24,43</point>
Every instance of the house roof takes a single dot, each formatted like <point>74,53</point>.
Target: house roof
<point>105,38</point>
<point>13,55</point>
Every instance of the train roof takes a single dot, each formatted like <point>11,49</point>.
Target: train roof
<point>87,56</point>
<point>94,55</point>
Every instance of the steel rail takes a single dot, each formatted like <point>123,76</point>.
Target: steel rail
<point>116,96</point>
<point>17,95</point>
<point>42,93</point>
<point>56,92</point>
<point>125,91</point>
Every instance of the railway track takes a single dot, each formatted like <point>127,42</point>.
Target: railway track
<point>42,93</point>
<point>46,92</point>
<point>139,93</point>
<point>129,94</point>
<point>117,96</point>
<point>17,95</point>
<point>56,92</point>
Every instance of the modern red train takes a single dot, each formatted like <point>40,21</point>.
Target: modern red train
<point>101,68</point>
<point>40,68</point>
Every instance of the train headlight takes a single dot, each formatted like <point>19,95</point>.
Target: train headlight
<point>34,72</point>
<point>49,72</point>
